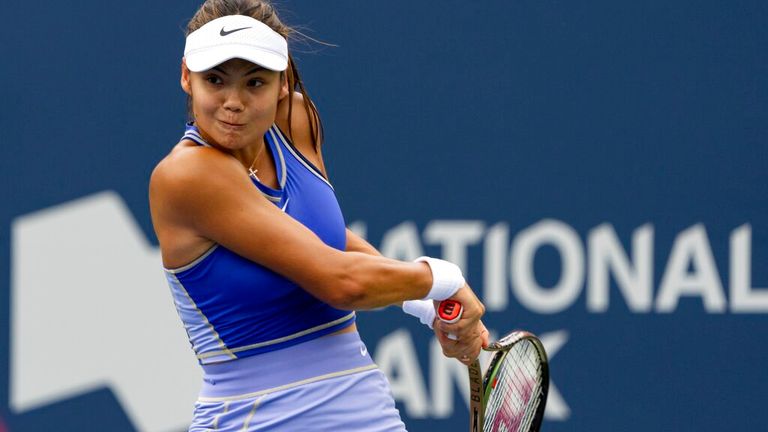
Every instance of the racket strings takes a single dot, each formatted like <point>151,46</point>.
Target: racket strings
<point>513,401</point>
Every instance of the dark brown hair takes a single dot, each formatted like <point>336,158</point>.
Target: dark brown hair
<point>263,11</point>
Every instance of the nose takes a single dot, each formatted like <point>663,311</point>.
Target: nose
<point>233,101</point>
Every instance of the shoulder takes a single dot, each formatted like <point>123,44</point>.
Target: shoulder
<point>300,119</point>
<point>301,126</point>
<point>190,162</point>
<point>192,168</point>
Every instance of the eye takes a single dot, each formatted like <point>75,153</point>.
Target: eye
<point>213,79</point>
<point>255,82</point>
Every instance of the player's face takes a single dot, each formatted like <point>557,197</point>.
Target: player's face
<point>235,102</point>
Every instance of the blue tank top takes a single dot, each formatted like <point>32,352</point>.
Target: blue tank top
<point>232,307</point>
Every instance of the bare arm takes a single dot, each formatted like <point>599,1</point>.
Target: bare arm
<point>207,192</point>
<point>355,243</point>
<point>470,331</point>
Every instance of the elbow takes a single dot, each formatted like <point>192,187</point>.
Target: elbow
<point>344,284</point>
<point>345,294</point>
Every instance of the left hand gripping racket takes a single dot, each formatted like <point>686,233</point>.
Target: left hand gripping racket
<point>513,393</point>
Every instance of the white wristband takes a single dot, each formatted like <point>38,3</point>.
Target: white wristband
<point>424,310</point>
<point>446,278</point>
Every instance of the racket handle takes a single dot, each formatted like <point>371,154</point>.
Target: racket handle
<point>450,311</point>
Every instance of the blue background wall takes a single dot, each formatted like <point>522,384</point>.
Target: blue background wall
<point>626,113</point>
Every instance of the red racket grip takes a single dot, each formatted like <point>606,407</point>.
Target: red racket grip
<point>450,311</point>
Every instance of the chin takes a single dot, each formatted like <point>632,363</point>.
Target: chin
<point>232,141</point>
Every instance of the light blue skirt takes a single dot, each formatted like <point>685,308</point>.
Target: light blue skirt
<point>326,384</point>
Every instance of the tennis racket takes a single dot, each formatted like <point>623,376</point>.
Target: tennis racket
<point>513,393</point>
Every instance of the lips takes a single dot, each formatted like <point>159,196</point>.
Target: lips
<point>233,126</point>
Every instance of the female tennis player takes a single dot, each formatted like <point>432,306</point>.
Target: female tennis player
<point>263,272</point>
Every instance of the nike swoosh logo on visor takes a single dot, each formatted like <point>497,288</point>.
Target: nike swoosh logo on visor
<point>225,32</point>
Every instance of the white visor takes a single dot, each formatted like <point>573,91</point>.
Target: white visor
<point>235,36</point>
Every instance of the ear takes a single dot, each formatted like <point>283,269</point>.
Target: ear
<point>283,86</point>
<point>185,83</point>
